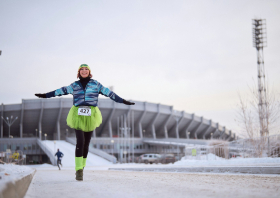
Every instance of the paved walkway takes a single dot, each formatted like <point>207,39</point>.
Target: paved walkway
<point>125,184</point>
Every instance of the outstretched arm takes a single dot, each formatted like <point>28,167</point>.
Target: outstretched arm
<point>107,92</point>
<point>59,92</point>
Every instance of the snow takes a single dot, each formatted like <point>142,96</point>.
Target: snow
<point>124,184</point>
<point>11,172</point>
<point>211,159</point>
<point>68,150</point>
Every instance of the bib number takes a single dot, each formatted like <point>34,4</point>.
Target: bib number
<point>84,111</point>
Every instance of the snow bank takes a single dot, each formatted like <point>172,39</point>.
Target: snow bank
<point>10,173</point>
<point>212,159</point>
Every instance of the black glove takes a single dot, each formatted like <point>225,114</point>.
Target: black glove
<point>41,95</point>
<point>128,103</point>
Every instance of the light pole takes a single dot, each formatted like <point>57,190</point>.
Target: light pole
<point>189,135</point>
<point>144,133</point>
<point>54,142</point>
<point>40,135</point>
<point>36,132</point>
<point>66,132</point>
<point>211,136</point>
<point>9,122</point>
<point>112,141</point>
<point>45,136</point>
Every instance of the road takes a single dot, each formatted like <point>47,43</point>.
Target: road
<point>124,184</point>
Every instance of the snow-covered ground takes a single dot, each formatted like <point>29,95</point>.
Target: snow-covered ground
<point>68,150</point>
<point>213,160</point>
<point>124,184</point>
<point>11,172</point>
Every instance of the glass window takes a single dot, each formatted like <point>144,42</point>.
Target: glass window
<point>13,147</point>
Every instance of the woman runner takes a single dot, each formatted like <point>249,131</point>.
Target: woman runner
<point>84,116</point>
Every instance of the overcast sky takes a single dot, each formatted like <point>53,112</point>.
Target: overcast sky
<point>194,55</point>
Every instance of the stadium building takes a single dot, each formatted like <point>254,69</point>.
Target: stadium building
<point>140,128</point>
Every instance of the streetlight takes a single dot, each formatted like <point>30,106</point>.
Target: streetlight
<point>144,133</point>
<point>45,136</point>
<point>66,132</point>
<point>54,146</point>
<point>112,141</point>
<point>189,135</point>
<point>211,136</point>
<point>40,132</point>
<point>36,132</point>
<point>9,122</point>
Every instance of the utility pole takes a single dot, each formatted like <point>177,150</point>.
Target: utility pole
<point>259,42</point>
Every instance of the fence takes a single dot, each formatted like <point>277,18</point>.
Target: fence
<point>245,148</point>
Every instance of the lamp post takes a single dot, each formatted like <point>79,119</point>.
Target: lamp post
<point>66,132</point>
<point>40,135</point>
<point>144,133</point>
<point>54,142</point>
<point>189,135</point>
<point>211,136</point>
<point>112,141</point>
<point>36,132</point>
<point>45,136</point>
<point>9,122</point>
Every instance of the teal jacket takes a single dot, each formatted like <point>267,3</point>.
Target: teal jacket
<point>87,96</point>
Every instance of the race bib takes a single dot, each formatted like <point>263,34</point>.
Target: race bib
<point>84,111</point>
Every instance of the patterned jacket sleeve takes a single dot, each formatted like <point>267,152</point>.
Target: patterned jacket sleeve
<point>108,93</point>
<point>59,92</point>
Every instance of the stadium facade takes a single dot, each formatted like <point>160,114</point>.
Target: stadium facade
<point>145,120</point>
<point>126,131</point>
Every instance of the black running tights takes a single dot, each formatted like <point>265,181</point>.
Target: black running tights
<point>83,140</point>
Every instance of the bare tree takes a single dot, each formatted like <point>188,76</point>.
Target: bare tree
<point>258,121</point>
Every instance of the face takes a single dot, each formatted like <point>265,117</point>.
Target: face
<point>84,72</point>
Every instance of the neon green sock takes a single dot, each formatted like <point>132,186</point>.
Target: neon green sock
<point>78,163</point>
<point>84,162</point>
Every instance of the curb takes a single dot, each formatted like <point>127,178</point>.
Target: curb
<point>17,188</point>
<point>236,170</point>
